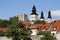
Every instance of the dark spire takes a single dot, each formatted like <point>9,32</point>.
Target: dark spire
<point>49,14</point>
<point>34,10</point>
<point>42,16</point>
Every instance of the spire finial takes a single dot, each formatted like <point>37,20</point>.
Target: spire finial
<point>49,14</point>
<point>34,7</point>
<point>42,16</point>
<point>34,10</point>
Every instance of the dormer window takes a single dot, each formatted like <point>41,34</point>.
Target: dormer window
<point>54,28</point>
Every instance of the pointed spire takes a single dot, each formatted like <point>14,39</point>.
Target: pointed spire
<point>34,7</point>
<point>49,14</point>
<point>42,16</point>
<point>34,10</point>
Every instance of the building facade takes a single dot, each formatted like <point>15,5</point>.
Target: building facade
<point>22,17</point>
<point>33,15</point>
<point>52,26</point>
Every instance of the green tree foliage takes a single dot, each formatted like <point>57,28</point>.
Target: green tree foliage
<point>47,36</point>
<point>3,33</point>
<point>1,20</point>
<point>13,20</point>
<point>16,29</point>
<point>39,22</point>
<point>41,33</point>
<point>17,33</point>
<point>4,23</point>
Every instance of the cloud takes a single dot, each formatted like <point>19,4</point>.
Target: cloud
<point>55,13</point>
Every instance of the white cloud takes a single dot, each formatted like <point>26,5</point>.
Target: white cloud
<point>55,13</point>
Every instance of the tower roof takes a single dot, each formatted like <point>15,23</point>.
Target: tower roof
<point>34,10</point>
<point>49,14</point>
<point>42,16</point>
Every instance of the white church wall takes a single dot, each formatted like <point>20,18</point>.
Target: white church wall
<point>33,17</point>
<point>49,20</point>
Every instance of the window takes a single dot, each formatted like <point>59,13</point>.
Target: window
<point>54,28</point>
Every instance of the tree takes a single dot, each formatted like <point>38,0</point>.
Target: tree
<point>1,20</point>
<point>17,33</point>
<point>1,33</point>
<point>47,36</point>
<point>4,23</point>
<point>39,22</point>
<point>13,20</point>
<point>41,33</point>
<point>16,30</point>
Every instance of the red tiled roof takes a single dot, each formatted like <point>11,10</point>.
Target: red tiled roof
<point>26,23</point>
<point>3,29</point>
<point>39,25</point>
<point>47,25</point>
<point>55,24</point>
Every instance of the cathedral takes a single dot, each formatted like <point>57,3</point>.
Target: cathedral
<point>34,16</point>
<point>33,28</point>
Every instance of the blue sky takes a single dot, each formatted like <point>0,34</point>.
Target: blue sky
<point>10,8</point>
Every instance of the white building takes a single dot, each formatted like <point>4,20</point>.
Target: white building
<point>33,15</point>
<point>49,17</point>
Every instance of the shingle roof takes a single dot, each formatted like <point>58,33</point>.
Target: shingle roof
<point>44,26</point>
<point>47,25</point>
<point>3,29</point>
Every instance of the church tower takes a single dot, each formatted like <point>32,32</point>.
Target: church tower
<point>49,17</point>
<point>33,15</point>
<point>42,16</point>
